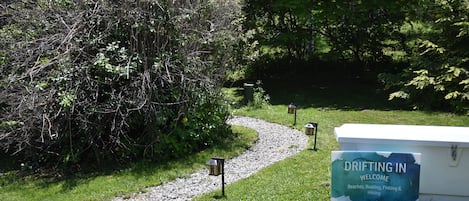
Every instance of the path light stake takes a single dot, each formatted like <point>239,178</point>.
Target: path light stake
<point>216,166</point>
<point>292,110</point>
<point>315,134</point>
<point>311,128</point>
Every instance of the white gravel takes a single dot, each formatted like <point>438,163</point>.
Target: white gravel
<point>276,142</point>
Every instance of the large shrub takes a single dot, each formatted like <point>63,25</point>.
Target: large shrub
<point>98,80</point>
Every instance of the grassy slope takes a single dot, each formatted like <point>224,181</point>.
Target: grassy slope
<point>106,186</point>
<point>306,176</point>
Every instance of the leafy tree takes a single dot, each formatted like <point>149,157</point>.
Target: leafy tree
<point>356,30</point>
<point>437,76</point>
<point>282,24</point>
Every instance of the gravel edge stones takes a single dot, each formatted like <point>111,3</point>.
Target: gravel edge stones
<point>276,142</point>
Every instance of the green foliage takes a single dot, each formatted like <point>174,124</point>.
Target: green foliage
<point>260,98</point>
<point>109,81</point>
<point>115,60</point>
<point>438,61</point>
<point>203,125</point>
<point>280,24</point>
<point>356,29</point>
<point>419,43</point>
<point>349,31</point>
<point>66,99</point>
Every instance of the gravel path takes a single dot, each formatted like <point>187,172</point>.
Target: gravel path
<point>276,142</point>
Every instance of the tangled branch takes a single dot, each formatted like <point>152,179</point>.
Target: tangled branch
<point>94,77</point>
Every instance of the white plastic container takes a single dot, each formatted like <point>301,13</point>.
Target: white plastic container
<point>444,172</point>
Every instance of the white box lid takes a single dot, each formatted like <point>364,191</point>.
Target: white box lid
<point>403,134</point>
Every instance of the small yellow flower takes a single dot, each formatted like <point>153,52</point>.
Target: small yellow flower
<point>185,120</point>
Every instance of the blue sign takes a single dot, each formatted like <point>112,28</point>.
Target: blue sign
<point>384,176</point>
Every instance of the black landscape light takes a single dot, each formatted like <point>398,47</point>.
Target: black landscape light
<point>216,166</point>
<point>311,128</point>
<point>292,110</point>
<point>248,92</point>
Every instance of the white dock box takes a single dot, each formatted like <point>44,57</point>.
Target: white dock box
<point>444,172</point>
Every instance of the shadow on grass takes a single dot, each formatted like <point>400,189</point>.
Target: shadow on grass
<point>133,172</point>
<point>219,197</point>
<point>349,94</point>
<point>143,173</point>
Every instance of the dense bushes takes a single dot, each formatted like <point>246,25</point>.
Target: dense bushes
<point>113,80</point>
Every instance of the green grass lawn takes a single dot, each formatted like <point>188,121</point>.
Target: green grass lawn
<point>105,186</point>
<point>306,176</point>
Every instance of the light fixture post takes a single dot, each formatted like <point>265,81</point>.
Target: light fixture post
<point>315,135</point>
<point>311,128</point>
<point>292,110</point>
<point>217,167</point>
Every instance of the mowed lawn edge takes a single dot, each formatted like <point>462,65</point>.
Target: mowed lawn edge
<point>124,182</point>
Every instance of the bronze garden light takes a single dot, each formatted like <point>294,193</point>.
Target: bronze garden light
<point>311,128</point>
<point>216,166</point>
<point>292,110</point>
